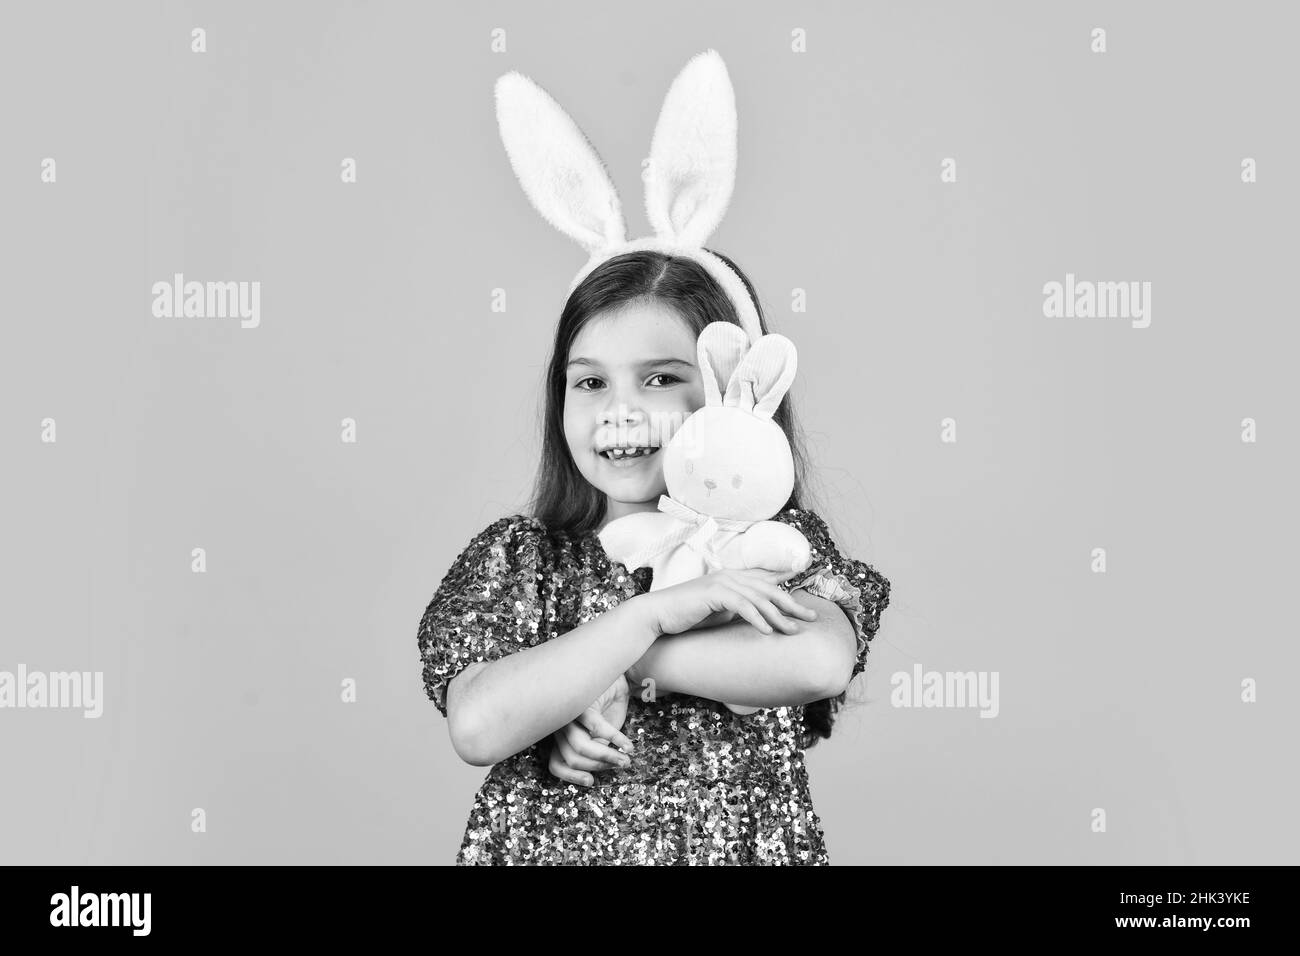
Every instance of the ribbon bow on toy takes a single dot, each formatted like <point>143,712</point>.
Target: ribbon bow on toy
<point>699,532</point>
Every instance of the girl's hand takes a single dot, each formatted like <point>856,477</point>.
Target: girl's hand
<point>750,593</point>
<point>583,744</point>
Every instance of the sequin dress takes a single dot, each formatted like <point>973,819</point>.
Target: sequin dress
<point>706,786</point>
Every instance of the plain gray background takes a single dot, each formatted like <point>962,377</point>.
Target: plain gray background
<point>1117,690</point>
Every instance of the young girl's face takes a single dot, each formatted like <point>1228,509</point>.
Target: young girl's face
<point>631,380</point>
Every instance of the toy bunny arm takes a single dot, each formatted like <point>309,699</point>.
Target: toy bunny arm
<point>624,537</point>
<point>774,546</point>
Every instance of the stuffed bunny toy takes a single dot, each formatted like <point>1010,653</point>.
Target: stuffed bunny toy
<point>728,469</point>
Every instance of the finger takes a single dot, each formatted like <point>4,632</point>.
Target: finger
<point>583,743</point>
<point>780,597</point>
<point>771,613</point>
<point>785,600</point>
<point>598,726</point>
<point>761,597</point>
<point>775,617</point>
<point>574,758</point>
<point>578,746</point>
<point>735,600</point>
<point>559,769</point>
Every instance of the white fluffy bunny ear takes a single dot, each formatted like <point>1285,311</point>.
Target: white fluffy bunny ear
<point>763,376</point>
<point>693,154</point>
<point>719,348</point>
<point>559,169</point>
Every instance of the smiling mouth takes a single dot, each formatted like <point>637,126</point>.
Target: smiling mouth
<point>627,454</point>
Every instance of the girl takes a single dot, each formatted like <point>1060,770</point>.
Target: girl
<point>595,701</point>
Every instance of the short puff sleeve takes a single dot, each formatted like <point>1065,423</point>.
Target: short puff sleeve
<point>490,603</point>
<point>861,590</point>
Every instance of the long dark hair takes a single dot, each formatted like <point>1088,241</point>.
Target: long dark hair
<point>562,498</point>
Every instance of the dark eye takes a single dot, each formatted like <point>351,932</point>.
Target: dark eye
<point>672,379</point>
<point>589,378</point>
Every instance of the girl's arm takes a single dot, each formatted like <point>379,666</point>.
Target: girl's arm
<point>740,664</point>
<point>498,708</point>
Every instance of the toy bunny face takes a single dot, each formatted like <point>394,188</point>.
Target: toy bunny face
<point>730,459</point>
<point>729,464</point>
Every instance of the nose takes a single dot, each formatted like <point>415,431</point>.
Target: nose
<point>710,483</point>
<point>621,414</point>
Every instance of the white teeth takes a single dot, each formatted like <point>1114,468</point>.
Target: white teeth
<point>620,453</point>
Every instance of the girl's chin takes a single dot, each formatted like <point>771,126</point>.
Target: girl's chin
<point>629,484</point>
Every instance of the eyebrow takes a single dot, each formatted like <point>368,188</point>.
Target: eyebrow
<point>646,364</point>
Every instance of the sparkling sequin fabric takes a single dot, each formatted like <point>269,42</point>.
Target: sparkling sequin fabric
<point>706,786</point>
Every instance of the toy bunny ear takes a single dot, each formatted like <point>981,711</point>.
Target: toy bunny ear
<point>693,154</point>
<point>763,377</point>
<point>560,171</point>
<point>719,348</point>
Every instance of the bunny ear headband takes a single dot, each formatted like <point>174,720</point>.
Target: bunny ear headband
<point>688,180</point>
